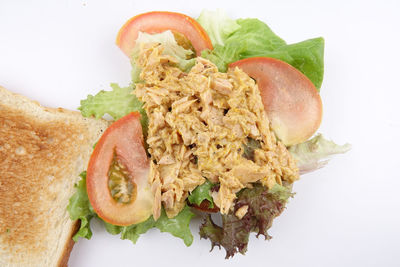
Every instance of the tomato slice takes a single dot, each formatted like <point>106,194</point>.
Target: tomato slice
<point>160,21</point>
<point>122,141</point>
<point>291,100</point>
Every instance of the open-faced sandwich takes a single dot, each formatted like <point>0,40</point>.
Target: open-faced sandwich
<point>218,117</point>
<point>221,117</point>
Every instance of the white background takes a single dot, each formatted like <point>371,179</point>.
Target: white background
<point>346,214</point>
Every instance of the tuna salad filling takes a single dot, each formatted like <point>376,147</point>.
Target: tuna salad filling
<point>206,126</point>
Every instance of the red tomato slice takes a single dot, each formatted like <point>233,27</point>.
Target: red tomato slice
<point>123,140</point>
<point>160,21</point>
<point>291,100</point>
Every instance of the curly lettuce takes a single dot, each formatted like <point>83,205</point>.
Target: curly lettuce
<point>116,103</point>
<point>177,226</point>
<point>79,208</point>
<point>262,207</point>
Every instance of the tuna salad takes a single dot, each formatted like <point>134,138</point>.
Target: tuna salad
<point>221,117</point>
<point>201,124</point>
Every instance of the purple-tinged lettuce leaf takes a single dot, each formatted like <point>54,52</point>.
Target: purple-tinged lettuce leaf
<point>263,206</point>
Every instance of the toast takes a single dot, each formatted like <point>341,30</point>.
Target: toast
<point>42,152</point>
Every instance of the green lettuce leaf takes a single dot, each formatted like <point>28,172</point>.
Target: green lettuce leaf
<point>255,39</point>
<point>200,193</point>
<point>217,25</point>
<point>263,206</point>
<point>131,232</point>
<point>306,56</point>
<point>116,103</point>
<point>79,208</point>
<point>254,35</point>
<point>111,228</point>
<point>171,47</point>
<point>316,152</point>
<point>177,226</point>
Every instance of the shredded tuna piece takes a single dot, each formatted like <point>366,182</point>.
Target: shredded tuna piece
<point>222,86</point>
<point>154,178</point>
<point>199,125</point>
<point>241,211</point>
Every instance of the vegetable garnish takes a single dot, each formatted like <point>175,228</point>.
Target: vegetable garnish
<point>157,22</point>
<point>201,199</point>
<point>261,205</point>
<point>186,104</point>
<point>246,38</point>
<point>290,99</point>
<point>80,208</point>
<point>116,177</point>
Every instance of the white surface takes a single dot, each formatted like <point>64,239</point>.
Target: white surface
<point>346,214</point>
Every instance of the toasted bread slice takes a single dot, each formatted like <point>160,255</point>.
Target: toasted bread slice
<point>42,153</point>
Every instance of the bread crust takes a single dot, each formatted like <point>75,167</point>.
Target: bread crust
<point>42,152</point>
<point>63,262</point>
